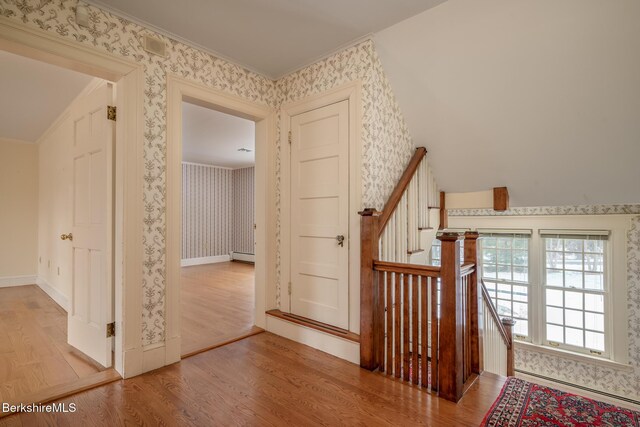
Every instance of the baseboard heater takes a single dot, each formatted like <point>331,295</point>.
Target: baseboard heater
<point>243,257</point>
<point>581,387</point>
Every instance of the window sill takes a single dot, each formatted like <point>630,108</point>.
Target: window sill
<point>573,356</point>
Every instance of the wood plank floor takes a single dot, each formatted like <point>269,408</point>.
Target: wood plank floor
<point>217,304</point>
<point>34,354</point>
<point>266,380</point>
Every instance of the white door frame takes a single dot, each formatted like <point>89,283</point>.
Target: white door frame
<point>128,177</point>
<point>179,89</point>
<point>351,92</point>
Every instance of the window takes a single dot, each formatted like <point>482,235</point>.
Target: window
<point>575,290</point>
<point>504,267</point>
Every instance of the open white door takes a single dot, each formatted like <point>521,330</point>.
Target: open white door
<point>320,214</point>
<point>91,306</point>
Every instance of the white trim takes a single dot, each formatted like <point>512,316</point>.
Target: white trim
<point>241,256</point>
<point>44,46</point>
<point>351,92</point>
<point>179,90</point>
<point>336,346</point>
<point>205,260</point>
<point>572,355</point>
<point>11,281</point>
<point>53,293</point>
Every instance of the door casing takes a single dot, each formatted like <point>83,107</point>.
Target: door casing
<point>351,92</point>
<point>178,90</point>
<point>130,359</point>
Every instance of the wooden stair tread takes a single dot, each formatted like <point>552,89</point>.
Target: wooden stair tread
<point>323,327</point>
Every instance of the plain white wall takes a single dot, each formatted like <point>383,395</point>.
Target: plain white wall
<point>541,96</point>
<point>18,208</point>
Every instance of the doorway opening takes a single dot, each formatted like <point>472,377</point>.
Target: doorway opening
<point>217,279</point>
<point>56,191</point>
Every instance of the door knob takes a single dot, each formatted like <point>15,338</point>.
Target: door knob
<point>340,240</point>
<point>67,237</point>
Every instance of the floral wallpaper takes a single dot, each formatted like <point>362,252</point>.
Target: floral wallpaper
<point>387,145</point>
<point>618,381</point>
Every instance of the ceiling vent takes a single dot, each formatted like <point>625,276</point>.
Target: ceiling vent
<point>154,45</point>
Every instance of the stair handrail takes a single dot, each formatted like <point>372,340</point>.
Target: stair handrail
<point>400,188</point>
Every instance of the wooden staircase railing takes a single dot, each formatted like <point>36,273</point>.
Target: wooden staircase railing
<point>498,337</point>
<point>419,323</point>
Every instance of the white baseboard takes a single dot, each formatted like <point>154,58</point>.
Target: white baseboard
<point>336,346</point>
<point>204,260</point>
<point>55,294</point>
<point>240,256</point>
<point>7,282</point>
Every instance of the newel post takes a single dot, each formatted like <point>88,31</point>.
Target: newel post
<point>508,324</point>
<point>368,287</point>
<point>450,358</point>
<point>471,257</point>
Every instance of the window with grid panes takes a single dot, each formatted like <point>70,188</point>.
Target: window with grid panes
<point>504,267</point>
<point>576,290</point>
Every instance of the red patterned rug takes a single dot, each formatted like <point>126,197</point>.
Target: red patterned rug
<point>525,404</point>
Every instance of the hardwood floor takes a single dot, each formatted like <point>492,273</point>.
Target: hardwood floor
<point>217,305</point>
<point>266,380</point>
<point>34,354</point>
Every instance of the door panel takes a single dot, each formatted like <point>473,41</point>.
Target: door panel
<point>319,213</point>
<point>91,307</point>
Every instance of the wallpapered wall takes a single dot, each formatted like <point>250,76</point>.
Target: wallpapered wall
<point>621,382</point>
<point>207,208</point>
<point>243,210</point>
<point>386,147</point>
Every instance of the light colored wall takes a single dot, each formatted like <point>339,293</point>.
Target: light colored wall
<point>526,94</point>
<point>476,199</point>
<point>624,221</point>
<point>386,144</point>
<point>243,239</point>
<point>18,209</point>
<point>207,207</point>
<point>55,167</point>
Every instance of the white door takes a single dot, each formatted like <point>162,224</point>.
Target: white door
<point>320,214</point>
<point>91,307</point>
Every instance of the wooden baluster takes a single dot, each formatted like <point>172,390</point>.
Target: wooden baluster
<point>435,345</point>
<point>405,327</point>
<point>508,324</point>
<point>396,326</point>
<point>471,257</point>
<point>379,320</point>
<point>450,363</point>
<point>389,323</point>
<point>415,301</point>
<point>424,289</point>
<point>368,295</point>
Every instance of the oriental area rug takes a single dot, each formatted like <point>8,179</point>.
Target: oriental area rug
<point>522,403</point>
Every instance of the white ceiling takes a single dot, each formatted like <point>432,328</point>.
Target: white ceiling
<point>34,94</point>
<point>272,37</point>
<point>540,96</point>
<point>213,138</point>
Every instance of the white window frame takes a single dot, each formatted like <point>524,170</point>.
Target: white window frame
<point>527,234</point>
<point>607,293</point>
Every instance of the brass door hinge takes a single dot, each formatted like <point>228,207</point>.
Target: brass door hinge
<point>111,112</point>
<point>289,137</point>
<point>111,329</point>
